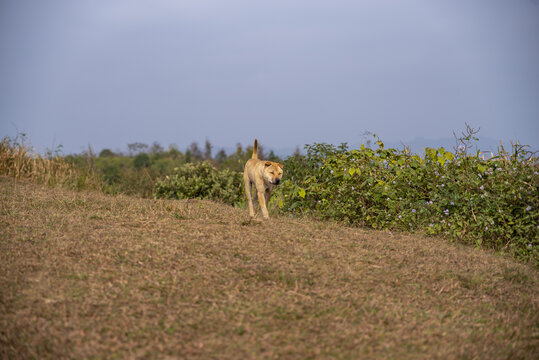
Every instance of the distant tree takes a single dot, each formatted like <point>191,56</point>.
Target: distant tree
<point>237,161</point>
<point>141,160</point>
<point>273,157</point>
<point>136,148</point>
<point>196,154</point>
<point>221,156</point>
<point>173,151</point>
<point>239,150</point>
<point>207,150</point>
<point>106,153</point>
<point>156,148</point>
<point>260,152</point>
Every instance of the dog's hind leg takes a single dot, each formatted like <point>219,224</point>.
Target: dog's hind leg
<point>248,186</point>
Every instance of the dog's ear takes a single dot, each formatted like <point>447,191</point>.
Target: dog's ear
<point>280,165</point>
<point>267,163</point>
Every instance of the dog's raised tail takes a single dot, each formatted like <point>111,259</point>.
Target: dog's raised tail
<point>255,150</point>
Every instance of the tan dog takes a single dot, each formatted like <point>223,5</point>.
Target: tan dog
<point>264,175</point>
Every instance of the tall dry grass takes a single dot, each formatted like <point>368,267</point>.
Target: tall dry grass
<point>21,162</point>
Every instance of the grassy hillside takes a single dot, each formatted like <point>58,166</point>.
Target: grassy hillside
<point>85,275</point>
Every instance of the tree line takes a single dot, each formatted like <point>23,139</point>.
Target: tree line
<point>135,171</point>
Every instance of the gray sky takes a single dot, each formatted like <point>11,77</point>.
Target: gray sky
<point>113,72</point>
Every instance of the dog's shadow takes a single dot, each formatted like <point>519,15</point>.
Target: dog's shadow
<point>252,222</point>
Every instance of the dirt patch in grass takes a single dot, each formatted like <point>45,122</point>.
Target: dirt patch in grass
<point>84,275</point>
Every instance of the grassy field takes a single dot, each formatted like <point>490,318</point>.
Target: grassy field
<point>85,275</point>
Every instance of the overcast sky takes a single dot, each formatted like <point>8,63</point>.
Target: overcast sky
<point>112,72</point>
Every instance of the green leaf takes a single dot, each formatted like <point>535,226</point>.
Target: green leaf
<point>301,192</point>
<point>430,152</point>
<point>351,171</point>
<point>441,160</point>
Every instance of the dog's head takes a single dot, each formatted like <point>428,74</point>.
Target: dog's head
<point>273,172</point>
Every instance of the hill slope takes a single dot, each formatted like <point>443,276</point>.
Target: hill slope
<point>87,275</point>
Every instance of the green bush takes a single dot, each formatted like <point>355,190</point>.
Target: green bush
<point>106,153</point>
<point>141,160</point>
<point>492,203</point>
<point>201,181</point>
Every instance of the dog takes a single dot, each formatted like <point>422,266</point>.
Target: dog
<point>264,175</point>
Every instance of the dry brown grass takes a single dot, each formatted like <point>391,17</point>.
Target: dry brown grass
<point>84,275</point>
<point>19,161</point>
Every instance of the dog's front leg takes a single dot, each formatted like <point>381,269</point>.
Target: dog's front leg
<point>267,195</point>
<point>262,202</point>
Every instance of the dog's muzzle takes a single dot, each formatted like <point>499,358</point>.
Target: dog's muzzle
<point>277,181</point>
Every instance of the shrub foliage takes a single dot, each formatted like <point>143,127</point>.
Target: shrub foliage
<point>202,181</point>
<point>485,202</point>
